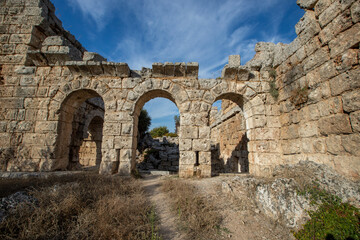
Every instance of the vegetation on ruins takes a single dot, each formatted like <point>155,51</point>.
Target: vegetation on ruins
<point>144,122</point>
<point>85,207</point>
<point>159,131</point>
<point>299,96</point>
<point>197,217</point>
<point>274,92</point>
<point>332,218</point>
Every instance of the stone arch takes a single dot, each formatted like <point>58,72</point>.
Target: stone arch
<point>229,150</point>
<point>93,115</point>
<point>136,113</point>
<point>90,150</point>
<point>65,128</point>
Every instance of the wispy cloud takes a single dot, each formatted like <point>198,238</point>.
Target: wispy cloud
<point>205,31</point>
<point>99,11</point>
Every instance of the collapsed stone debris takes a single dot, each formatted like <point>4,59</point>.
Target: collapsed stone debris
<point>62,107</point>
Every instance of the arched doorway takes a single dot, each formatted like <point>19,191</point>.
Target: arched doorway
<point>229,150</point>
<point>90,149</point>
<point>79,111</point>
<point>157,152</point>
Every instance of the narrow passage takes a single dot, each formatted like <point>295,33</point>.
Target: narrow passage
<point>161,202</point>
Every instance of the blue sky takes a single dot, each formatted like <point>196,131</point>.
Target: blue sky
<point>140,32</point>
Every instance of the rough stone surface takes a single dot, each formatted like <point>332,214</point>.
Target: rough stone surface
<point>278,197</point>
<point>306,91</point>
<point>306,4</point>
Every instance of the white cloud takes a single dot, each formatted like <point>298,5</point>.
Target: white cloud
<point>203,31</point>
<point>98,10</point>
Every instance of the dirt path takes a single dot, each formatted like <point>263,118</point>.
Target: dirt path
<point>168,230</point>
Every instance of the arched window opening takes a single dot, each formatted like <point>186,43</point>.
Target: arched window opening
<point>229,151</point>
<point>158,149</point>
<point>90,149</point>
<point>80,131</point>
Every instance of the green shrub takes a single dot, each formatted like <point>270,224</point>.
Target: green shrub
<point>171,135</point>
<point>274,92</point>
<point>159,131</point>
<point>333,219</point>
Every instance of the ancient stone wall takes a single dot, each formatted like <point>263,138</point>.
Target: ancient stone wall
<point>299,101</point>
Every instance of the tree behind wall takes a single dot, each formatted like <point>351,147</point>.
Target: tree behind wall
<point>144,123</point>
<point>159,131</point>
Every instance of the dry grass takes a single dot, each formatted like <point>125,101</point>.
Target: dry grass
<point>89,207</point>
<point>197,216</point>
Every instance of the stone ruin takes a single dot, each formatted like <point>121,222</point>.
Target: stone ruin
<point>62,107</point>
<point>161,153</point>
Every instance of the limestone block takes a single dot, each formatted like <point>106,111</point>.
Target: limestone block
<point>345,40</point>
<point>305,21</point>
<point>189,132</point>
<point>205,157</point>
<point>130,82</point>
<point>185,144</point>
<point>111,128</point>
<point>316,59</point>
<point>289,132</point>
<point>187,157</point>
<point>195,119</point>
<point>348,166</point>
<point>46,126</point>
<point>22,70</point>
<point>180,69</point>
<point>108,167</point>
<point>306,4</point>
<point>234,61</point>
<point>208,83</point>
<point>321,92</point>
<point>355,12</point>
<point>12,102</point>
<point>273,122</point>
<point>349,58</point>
<point>264,134</point>
<point>321,5</point>
<point>329,14</point>
<point>339,24</point>
<point>345,81</point>
<point>334,145</point>
<point>204,132</point>
<point>169,69</point>
<point>91,56</point>
<point>192,69</point>
<point>335,124</point>
<point>351,144</point>
<point>351,101</point>
<point>330,106</point>
<point>355,121</point>
<point>201,145</point>
<point>158,70</point>
<point>121,142</point>
<point>291,146</point>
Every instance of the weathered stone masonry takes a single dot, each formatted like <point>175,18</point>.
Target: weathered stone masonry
<point>46,75</point>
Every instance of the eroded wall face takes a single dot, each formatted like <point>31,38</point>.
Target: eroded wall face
<point>229,153</point>
<point>299,101</point>
<point>319,86</point>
